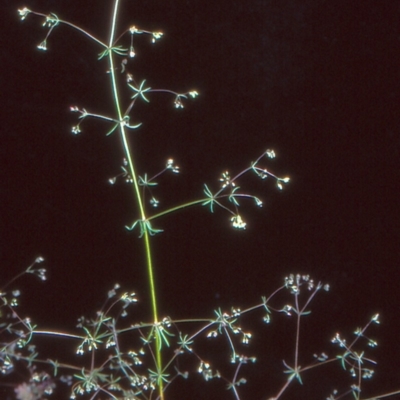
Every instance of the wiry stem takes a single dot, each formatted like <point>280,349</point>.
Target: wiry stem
<point>137,194</point>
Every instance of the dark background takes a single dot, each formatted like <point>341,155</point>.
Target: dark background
<point>316,80</point>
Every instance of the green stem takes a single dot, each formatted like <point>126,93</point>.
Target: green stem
<point>180,207</point>
<point>60,21</point>
<point>129,158</point>
<point>196,202</point>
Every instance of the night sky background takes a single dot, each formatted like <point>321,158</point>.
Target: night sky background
<point>318,81</point>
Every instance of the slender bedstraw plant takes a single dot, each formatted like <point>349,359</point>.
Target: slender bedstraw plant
<point>121,124</point>
<point>144,366</point>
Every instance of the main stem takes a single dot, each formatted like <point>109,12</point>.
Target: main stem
<point>129,158</point>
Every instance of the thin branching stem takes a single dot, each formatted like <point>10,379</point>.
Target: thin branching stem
<point>85,33</point>
<point>133,175</point>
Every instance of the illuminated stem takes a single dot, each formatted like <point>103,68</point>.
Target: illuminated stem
<point>133,175</point>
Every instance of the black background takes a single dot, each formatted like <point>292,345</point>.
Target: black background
<point>317,81</point>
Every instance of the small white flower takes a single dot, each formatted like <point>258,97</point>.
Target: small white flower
<point>193,94</point>
<point>154,202</point>
<point>80,351</point>
<point>42,46</point>
<point>24,13</point>
<point>284,180</point>
<point>178,103</point>
<point>41,273</point>
<point>246,337</point>
<point>170,165</point>
<point>156,36</point>
<point>226,180</point>
<point>258,202</point>
<point>75,130</point>
<point>237,222</point>
<point>270,153</point>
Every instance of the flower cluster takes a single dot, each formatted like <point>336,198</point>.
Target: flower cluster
<point>237,222</point>
<point>24,12</point>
